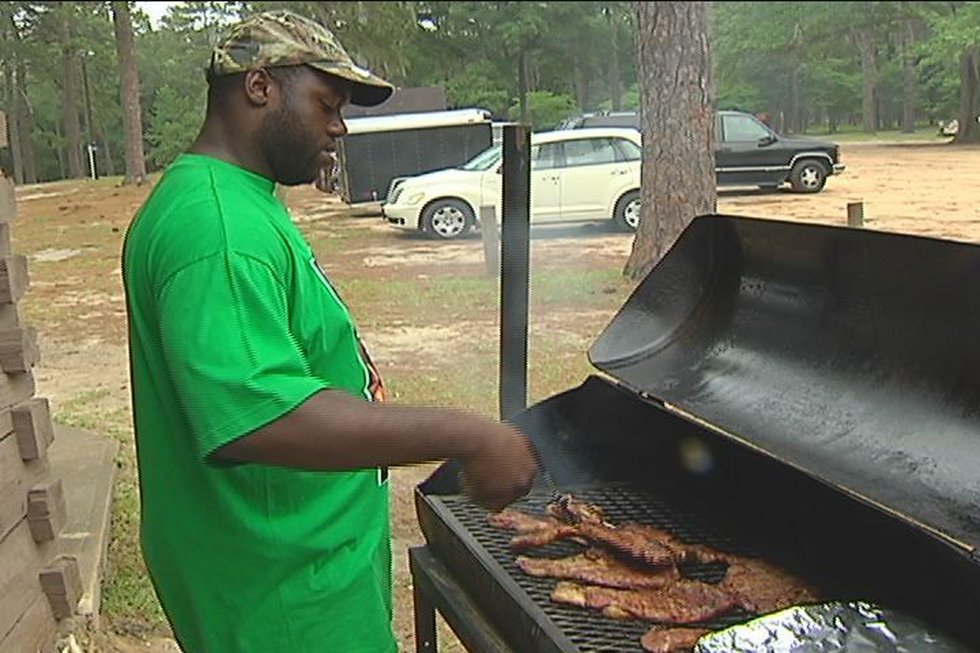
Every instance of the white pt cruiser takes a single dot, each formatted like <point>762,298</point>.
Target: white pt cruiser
<point>580,174</point>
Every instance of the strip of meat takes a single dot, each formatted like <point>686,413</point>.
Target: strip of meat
<point>683,602</point>
<point>671,640</point>
<point>522,522</point>
<point>533,530</point>
<point>630,542</point>
<point>683,552</point>
<point>597,567</point>
<point>544,537</point>
<point>645,544</point>
<point>762,587</point>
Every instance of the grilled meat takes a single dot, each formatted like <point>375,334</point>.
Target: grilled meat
<point>544,537</point>
<point>598,567</point>
<point>683,602</point>
<point>762,587</point>
<point>569,509</point>
<point>630,542</point>
<point>682,551</point>
<point>522,522</point>
<point>644,544</point>
<point>533,530</point>
<point>671,640</point>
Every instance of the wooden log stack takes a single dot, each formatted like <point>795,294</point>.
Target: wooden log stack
<point>38,588</point>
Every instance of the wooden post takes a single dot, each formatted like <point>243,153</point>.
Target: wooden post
<point>855,214</point>
<point>491,242</point>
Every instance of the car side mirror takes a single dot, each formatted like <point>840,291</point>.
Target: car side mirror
<point>767,140</point>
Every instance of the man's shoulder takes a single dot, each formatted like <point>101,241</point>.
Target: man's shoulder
<point>193,214</point>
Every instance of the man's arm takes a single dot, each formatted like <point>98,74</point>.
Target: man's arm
<point>333,430</point>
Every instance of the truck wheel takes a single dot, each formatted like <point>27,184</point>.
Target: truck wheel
<point>447,219</point>
<point>808,176</point>
<point>627,213</point>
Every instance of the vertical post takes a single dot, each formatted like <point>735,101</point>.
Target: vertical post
<point>491,241</point>
<point>93,171</point>
<point>514,269</point>
<point>855,214</point>
<point>425,622</point>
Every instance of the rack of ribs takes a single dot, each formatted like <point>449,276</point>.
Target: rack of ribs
<point>683,602</point>
<point>598,567</point>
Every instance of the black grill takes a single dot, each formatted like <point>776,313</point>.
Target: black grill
<point>826,380</point>
<point>587,629</point>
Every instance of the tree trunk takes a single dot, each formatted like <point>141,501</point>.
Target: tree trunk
<point>522,86</point>
<point>13,124</point>
<point>25,123</point>
<point>581,87</point>
<point>677,120</point>
<point>615,68</point>
<point>908,70</point>
<point>968,130</point>
<point>108,165</point>
<point>129,93</point>
<point>795,121</point>
<point>59,151</point>
<point>69,100</point>
<point>869,76</point>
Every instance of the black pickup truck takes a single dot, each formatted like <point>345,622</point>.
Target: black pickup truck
<point>748,153</point>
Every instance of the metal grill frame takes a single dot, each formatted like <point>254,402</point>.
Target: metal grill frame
<point>599,434</point>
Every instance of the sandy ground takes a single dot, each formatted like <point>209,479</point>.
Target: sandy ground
<point>72,233</point>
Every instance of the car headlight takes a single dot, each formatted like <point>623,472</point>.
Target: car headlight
<point>395,194</point>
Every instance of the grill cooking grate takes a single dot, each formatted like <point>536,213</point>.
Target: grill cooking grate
<point>589,630</point>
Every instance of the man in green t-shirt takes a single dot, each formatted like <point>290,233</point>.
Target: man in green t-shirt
<point>262,447</point>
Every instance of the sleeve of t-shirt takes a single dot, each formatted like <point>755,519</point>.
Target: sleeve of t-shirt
<point>228,348</point>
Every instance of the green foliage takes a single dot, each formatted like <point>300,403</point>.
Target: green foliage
<point>478,86</point>
<point>173,123</point>
<point>764,53</point>
<point>546,109</point>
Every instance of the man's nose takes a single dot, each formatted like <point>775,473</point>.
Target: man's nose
<point>337,128</point>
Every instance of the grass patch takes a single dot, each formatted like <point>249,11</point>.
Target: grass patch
<point>128,599</point>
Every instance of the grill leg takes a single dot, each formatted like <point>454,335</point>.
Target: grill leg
<point>425,623</point>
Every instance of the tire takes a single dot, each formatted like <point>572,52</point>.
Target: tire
<point>808,176</point>
<point>627,212</point>
<point>447,219</point>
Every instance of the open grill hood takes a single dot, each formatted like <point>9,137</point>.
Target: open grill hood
<point>851,355</point>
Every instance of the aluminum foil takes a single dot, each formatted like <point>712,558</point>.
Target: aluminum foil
<point>855,627</point>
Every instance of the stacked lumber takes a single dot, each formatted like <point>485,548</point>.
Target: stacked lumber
<point>37,587</point>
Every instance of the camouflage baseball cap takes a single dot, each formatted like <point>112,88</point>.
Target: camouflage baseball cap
<point>283,38</point>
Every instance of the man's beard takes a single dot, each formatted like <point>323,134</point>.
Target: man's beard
<point>293,154</point>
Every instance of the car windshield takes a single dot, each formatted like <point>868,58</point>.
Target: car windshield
<point>484,160</point>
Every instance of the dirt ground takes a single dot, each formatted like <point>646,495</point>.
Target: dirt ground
<point>72,233</point>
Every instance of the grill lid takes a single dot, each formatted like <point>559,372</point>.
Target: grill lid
<point>852,355</point>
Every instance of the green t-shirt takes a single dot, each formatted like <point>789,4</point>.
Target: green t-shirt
<point>232,324</point>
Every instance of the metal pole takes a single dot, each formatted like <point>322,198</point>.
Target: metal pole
<point>514,269</point>
<point>91,161</point>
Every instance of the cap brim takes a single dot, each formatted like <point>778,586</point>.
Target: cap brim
<point>367,89</point>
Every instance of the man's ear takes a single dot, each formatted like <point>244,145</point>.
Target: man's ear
<point>258,87</point>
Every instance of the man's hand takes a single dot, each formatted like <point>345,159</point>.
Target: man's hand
<point>501,467</point>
